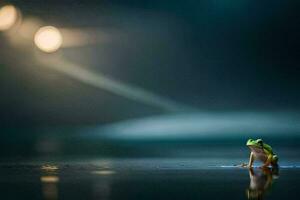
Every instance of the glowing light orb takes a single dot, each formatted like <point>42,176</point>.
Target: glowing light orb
<point>48,39</point>
<point>8,17</point>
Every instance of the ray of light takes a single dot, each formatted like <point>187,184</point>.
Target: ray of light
<point>205,125</point>
<point>100,81</point>
<point>82,37</point>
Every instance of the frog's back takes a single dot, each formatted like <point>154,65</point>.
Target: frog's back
<point>268,149</point>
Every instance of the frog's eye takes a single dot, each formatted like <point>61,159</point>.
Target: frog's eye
<point>259,141</point>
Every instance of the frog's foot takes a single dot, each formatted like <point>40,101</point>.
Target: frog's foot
<point>244,165</point>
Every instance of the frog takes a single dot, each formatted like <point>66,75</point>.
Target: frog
<point>263,152</point>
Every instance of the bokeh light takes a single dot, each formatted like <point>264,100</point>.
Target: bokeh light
<point>8,17</point>
<point>48,39</point>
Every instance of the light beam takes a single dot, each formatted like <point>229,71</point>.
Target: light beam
<point>100,81</point>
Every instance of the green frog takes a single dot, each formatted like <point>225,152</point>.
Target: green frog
<point>263,152</point>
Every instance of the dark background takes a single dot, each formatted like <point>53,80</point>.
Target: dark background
<point>213,55</point>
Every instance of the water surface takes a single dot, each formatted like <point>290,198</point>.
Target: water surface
<point>151,178</point>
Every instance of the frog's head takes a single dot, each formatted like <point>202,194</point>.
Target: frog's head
<point>255,143</point>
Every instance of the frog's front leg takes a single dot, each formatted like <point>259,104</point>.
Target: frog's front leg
<point>251,160</point>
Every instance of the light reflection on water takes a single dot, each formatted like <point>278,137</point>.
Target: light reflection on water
<point>49,180</point>
<point>104,172</point>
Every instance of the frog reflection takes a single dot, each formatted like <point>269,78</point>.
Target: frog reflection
<point>260,182</point>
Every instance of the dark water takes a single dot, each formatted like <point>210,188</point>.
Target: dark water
<point>143,179</point>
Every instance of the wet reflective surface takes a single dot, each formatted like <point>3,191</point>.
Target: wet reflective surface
<point>145,179</point>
